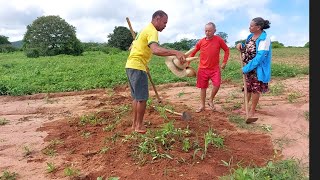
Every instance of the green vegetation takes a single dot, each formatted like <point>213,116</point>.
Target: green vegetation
<point>120,38</point>
<point>3,121</point>
<point>50,36</point>
<point>50,167</point>
<point>281,170</point>
<point>71,171</point>
<point>306,115</point>
<point>7,175</point>
<point>20,75</point>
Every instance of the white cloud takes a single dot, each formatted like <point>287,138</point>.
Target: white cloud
<point>95,19</point>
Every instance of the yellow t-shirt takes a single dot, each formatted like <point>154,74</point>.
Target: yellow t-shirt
<point>140,53</point>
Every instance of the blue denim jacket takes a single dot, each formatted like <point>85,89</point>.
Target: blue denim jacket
<point>262,61</point>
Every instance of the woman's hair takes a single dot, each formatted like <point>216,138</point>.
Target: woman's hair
<point>259,21</point>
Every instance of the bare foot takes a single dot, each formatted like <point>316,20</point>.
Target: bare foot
<point>133,126</point>
<point>200,109</point>
<point>211,106</point>
<point>141,130</point>
<point>251,114</point>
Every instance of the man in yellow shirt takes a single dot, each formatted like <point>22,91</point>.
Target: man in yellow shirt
<point>143,47</point>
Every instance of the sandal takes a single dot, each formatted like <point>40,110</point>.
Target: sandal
<point>200,109</point>
<point>141,131</point>
<point>211,106</point>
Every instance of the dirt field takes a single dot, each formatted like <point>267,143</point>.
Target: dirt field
<point>36,121</point>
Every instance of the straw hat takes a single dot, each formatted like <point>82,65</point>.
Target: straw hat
<point>180,70</point>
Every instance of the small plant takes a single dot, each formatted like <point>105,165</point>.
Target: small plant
<point>7,175</point>
<point>276,89</point>
<point>70,171</point>
<point>239,121</point>
<point>89,119</point>
<point>181,94</point>
<point>26,151</point>
<point>86,134</point>
<point>283,141</point>
<point>266,127</point>
<point>292,97</point>
<point>104,150</point>
<point>49,151</point>
<point>186,145</point>
<point>108,128</point>
<point>306,115</point>
<point>227,164</point>
<point>113,138</point>
<point>113,178</point>
<point>195,153</point>
<point>211,137</point>
<point>55,142</point>
<point>149,102</point>
<point>50,167</point>
<point>3,121</point>
<point>162,112</point>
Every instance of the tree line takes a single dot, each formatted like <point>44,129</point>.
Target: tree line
<point>52,35</point>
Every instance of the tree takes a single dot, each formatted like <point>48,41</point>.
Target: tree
<point>276,44</point>
<point>120,38</point>
<point>240,41</point>
<point>52,35</point>
<point>5,45</point>
<point>223,35</point>
<point>183,44</point>
<point>4,40</point>
<point>306,45</point>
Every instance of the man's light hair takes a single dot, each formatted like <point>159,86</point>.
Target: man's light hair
<point>211,24</point>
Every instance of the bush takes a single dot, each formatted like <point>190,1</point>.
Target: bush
<point>6,48</point>
<point>3,90</point>
<point>110,50</point>
<point>32,53</point>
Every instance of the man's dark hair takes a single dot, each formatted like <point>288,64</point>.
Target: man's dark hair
<point>159,13</point>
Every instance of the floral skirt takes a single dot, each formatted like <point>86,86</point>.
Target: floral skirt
<point>254,85</point>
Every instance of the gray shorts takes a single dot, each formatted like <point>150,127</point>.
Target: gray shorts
<point>138,81</point>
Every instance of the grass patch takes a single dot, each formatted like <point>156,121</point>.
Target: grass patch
<point>276,89</point>
<point>239,121</point>
<point>293,96</point>
<point>281,170</point>
<point>21,75</point>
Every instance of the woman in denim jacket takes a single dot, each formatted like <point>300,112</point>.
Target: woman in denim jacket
<point>256,56</point>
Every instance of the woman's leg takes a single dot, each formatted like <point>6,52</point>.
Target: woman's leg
<point>254,102</point>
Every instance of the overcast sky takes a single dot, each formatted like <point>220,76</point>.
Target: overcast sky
<point>95,19</point>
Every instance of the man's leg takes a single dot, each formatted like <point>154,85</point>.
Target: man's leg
<point>214,91</point>
<point>203,95</point>
<point>140,109</point>
<point>134,114</point>
<point>215,76</point>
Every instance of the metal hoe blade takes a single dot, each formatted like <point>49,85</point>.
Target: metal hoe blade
<point>186,116</point>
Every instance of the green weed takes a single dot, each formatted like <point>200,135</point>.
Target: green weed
<point>7,175</point>
<point>50,167</point>
<point>3,121</point>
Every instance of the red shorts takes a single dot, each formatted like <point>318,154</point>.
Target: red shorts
<point>204,75</point>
